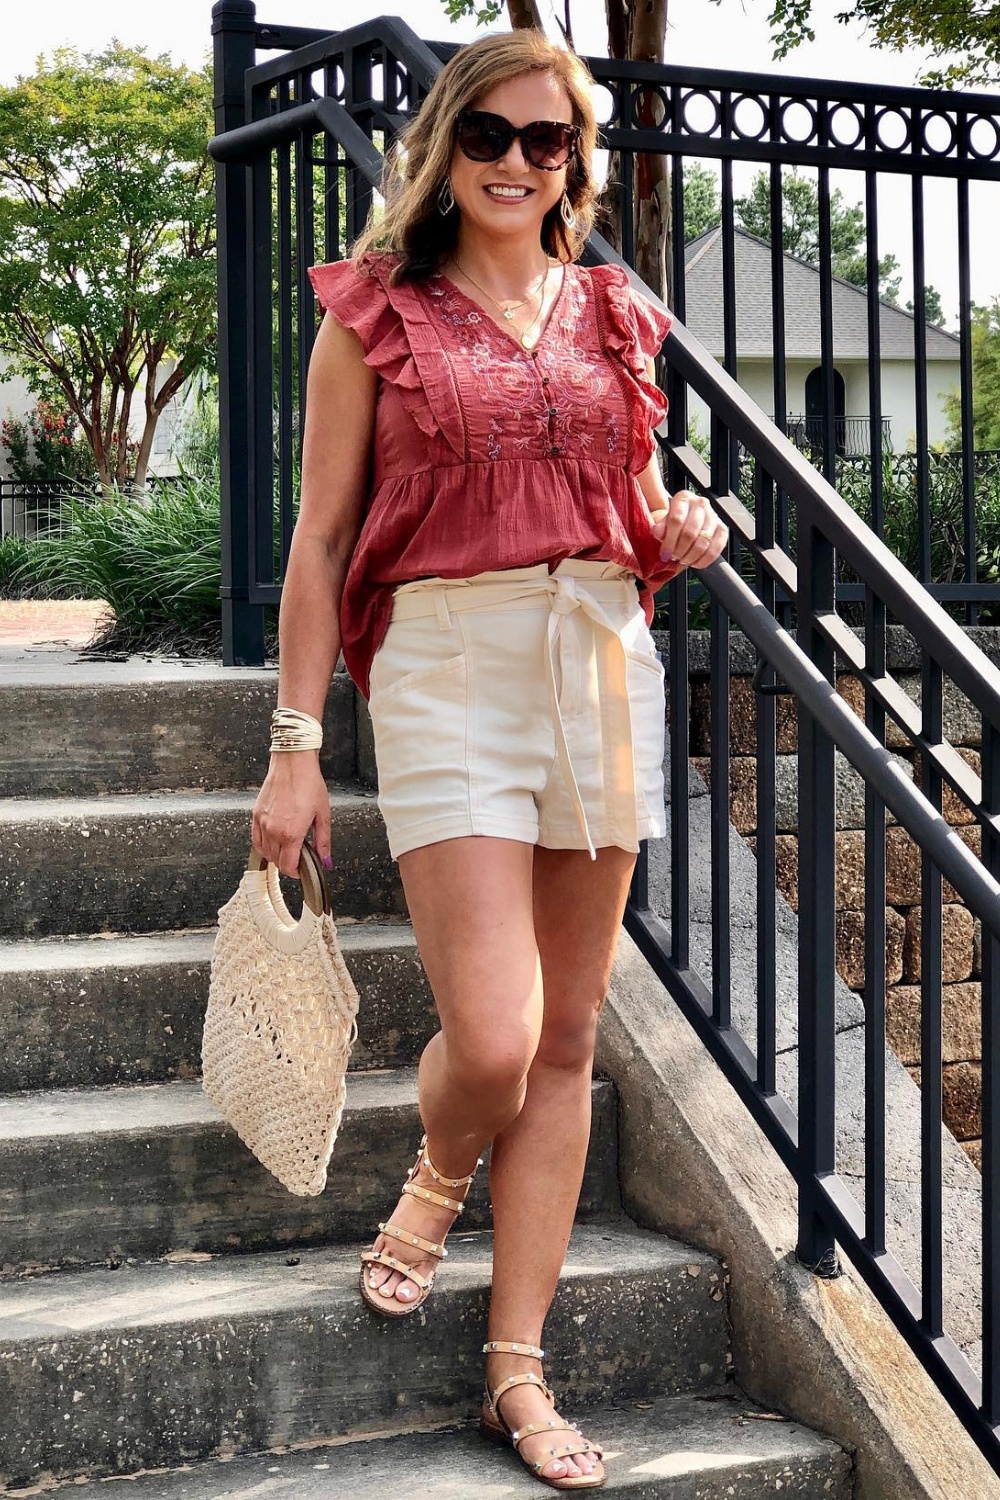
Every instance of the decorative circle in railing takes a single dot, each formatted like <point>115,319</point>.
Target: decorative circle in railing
<point>883,120</point>
<point>744,106</point>
<point>786,130</point>
<point>604,99</point>
<point>857,119</point>
<point>702,102</point>
<point>938,132</point>
<point>339,90</point>
<point>978,131</point>
<point>644,98</point>
<point>402,81</point>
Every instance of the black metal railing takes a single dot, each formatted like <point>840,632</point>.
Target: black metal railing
<point>852,434</point>
<point>791,535</point>
<point>36,509</point>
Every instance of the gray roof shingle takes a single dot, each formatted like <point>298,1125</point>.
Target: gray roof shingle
<point>703,277</point>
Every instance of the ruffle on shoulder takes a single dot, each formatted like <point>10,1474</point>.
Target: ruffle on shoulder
<point>633,330</point>
<point>398,340</point>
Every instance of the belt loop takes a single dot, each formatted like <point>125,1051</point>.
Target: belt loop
<point>443,612</point>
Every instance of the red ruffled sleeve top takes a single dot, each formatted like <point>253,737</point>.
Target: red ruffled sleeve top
<point>488,455</point>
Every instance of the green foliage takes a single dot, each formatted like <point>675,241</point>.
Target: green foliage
<point>941,26</point>
<point>701,200</point>
<point>486,14</point>
<point>107,236</point>
<point>22,560</point>
<point>985,337</point>
<point>197,453</point>
<point>47,444</point>
<point>157,561</point>
<point>933,311</point>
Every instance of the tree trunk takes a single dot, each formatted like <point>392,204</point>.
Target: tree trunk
<point>636,31</point>
<point>653,235</point>
<point>523,14</point>
<point>155,403</point>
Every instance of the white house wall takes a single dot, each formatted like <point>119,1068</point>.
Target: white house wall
<point>755,377</point>
<point>17,400</point>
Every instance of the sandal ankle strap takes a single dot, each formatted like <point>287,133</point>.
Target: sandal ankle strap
<point>535,1381</point>
<point>531,1350</point>
<point>423,1156</point>
<point>455,1205</point>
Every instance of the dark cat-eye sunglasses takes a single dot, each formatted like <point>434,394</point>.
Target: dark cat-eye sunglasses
<point>547,144</point>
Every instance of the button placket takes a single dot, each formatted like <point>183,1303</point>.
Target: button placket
<point>552,412</point>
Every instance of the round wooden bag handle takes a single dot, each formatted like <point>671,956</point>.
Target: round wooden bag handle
<point>315,892</point>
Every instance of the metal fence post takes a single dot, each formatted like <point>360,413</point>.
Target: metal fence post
<point>234,31</point>
<point>816,1247</point>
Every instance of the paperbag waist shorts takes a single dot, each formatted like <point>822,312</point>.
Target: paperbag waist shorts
<point>520,704</point>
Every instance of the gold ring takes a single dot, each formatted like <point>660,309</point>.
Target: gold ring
<point>708,534</point>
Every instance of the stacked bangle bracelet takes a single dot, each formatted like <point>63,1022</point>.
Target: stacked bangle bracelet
<point>293,730</point>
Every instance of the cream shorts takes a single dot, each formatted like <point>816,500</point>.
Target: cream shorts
<point>520,704</point>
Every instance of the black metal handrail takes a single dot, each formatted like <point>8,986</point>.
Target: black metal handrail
<point>790,593</point>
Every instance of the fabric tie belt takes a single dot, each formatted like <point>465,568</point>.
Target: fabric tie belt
<point>521,588</point>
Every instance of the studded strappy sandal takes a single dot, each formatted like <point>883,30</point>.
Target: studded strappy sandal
<point>493,1426</point>
<point>391,1307</point>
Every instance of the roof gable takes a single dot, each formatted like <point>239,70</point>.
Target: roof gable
<point>703,315</point>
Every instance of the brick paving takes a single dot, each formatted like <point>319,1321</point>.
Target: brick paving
<point>50,622</point>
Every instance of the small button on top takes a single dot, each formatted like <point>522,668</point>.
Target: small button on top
<point>552,411</point>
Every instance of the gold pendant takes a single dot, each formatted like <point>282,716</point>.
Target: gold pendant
<point>509,312</point>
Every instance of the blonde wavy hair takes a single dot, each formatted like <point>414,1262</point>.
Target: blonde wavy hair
<point>420,156</point>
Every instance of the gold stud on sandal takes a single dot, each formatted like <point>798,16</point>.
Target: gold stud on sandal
<point>493,1426</point>
<point>392,1307</point>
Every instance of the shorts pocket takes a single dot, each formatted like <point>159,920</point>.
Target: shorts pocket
<point>413,680</point>
<point>645,659</point>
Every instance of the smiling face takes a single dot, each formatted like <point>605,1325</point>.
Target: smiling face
<point>528,97</point>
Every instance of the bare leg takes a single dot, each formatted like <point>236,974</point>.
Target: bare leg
<point>470,901</point>
<point>538,1159</point>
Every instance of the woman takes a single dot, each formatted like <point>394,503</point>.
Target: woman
<point>481,531</point>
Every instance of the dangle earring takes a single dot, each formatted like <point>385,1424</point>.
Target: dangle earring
<point>566,211</point>
<point>446,198</point>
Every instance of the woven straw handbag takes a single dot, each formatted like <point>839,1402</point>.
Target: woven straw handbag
<point>280,1024</point>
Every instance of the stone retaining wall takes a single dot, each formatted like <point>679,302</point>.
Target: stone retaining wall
<point>962,1037</point>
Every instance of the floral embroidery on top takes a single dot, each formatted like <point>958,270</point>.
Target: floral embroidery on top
<point>559,400</point>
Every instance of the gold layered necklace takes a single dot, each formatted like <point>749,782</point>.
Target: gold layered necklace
<point>526,336</point>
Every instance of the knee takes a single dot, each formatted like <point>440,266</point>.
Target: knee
<point>569,1045</point>
<point>492,1068</point>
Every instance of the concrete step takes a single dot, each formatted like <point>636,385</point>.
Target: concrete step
<point>100,1175</point>
<point>674,1448</point>
<point>165,861</point>
<point>85,729</point>
<point>103,1010</point>
<point>107,1372</point>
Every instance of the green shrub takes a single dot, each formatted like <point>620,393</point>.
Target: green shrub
<point>21,563</point>
<point>156,559</point>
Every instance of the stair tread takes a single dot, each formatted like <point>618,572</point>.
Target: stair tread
<point>188,1290</point>
<point>645,1444</point>
<point>118,1108</point>
<point>44,954</point>
<point>16,810</point>
<point>71,669</point>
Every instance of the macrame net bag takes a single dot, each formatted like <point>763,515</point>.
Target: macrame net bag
<point>280,1024</point>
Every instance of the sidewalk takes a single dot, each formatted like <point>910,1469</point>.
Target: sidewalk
<point>49,623</point>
